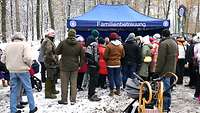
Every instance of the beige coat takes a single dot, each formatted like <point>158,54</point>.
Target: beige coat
<point>17,56</point>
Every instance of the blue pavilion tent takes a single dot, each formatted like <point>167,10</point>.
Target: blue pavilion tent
<point>119,18</point>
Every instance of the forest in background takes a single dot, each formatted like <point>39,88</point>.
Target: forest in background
<point>33,17</point>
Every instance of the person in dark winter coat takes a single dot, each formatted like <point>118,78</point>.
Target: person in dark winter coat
<point>180,70</point>
<point>72,57</point>
<point>41,60</point>
<point>197,67</point>
<point>93,67</point>
<point>51,64</point>
<point>192,64</point>
<point>131,59</point>
<point>4,73</point>
<point>113,54</point>
<point>167,57</point>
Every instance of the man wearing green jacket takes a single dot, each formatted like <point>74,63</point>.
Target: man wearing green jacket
<point>166,62</point>
<point>72,57</point>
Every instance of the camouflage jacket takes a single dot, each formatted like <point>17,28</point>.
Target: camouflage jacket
<point>50,57</point>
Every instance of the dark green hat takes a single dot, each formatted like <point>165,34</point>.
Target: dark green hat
<point>95,33</point>
<point>72,33</point>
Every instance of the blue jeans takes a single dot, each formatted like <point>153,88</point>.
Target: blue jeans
<point>127,72</point>
<point>114,78</point>
<point>15,80</point>
<point>167,95</point>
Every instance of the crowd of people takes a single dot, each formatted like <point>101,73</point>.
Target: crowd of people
<point>99,62</point>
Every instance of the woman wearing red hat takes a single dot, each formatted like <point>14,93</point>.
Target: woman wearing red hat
<point>113,54</point>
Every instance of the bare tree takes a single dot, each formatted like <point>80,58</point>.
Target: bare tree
<point>168,8</point>
<point>51,14</point>
<point>17,16</point>
<point>127,1</point>
<point>84,6</point>
<point>27,17</point>
<point>145,7</point>
<point>32,20</point>
<point>158,14</point>
<point>187,18</point>
<point>197,18</point>
<point>38,19</point>
<point>11,18</point>
<point>164,5</point>
<point>149,3</point>
<point>3,20</point>
<point>69,9</point>
<point>42,19</point>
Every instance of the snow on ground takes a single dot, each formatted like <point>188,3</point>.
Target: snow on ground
<point>182,102</point>
<point>108,104</point>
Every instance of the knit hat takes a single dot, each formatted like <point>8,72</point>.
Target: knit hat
<point>196,39</point>
<point>152,39</point>
<point>146,40</point>
<point>89,40</point>
<point>18,36</point>
<point>138,38</point>
<point>80,38</point>
<point>101,40</point>
<point>107,40</point>
<point>156,36</point>
<point>71,33</point>
<point>50,33</point>
<point>113,36</point>
<point>95,33</point>
<point>130,37</point>
<point>165,33</point>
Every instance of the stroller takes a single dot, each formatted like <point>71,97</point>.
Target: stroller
<point>148,96</point>
<point>35,82</point>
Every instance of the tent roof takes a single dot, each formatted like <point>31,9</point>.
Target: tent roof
<point>114,13</point>
<point>115,16</point>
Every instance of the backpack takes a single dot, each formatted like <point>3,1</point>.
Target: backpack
<point>35,66</point>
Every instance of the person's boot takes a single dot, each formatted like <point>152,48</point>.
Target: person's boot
<point>118,92</point>
<point>111,93</point>
<point>48,90</point>
<point>54,91</point>
<point>94,98</point>
<point>34,110</point>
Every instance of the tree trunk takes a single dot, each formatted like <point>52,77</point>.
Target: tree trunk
<point>11,14</point>
<point>145,7</point>
<point>51,14</point>
<point>3,20</point>
<point>164,5</point>
<point>38,19</point>
<point>158,14</point>
<point>69,9</point>
<point>197,18</point>
<point>32,20</point>
<point>17,16</point>
<point>127,2</point>
<point>42,19</point>
<point>84,6</point>
<point>187,18</point>
<point>168,8</point>
<point>149,3</point>
<point>112,2</point>
<point>27,17</point>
